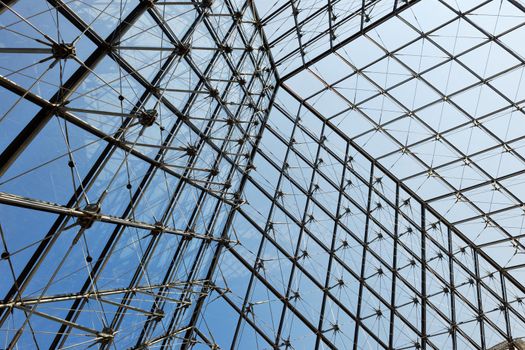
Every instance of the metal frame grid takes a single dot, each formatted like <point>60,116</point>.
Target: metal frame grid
<point>148,114</point>
<point>387,189</point>
<point>300,31</point>
<point>336,174</point>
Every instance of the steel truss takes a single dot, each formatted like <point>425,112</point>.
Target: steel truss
<point>192,174</point>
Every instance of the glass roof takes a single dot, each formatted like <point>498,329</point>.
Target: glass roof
<point>436,95</point>
<point>299,31</point>
<point>126,128</point>
<point>262,174</point>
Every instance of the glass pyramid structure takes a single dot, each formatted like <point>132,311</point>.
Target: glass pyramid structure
<point>262,174</point>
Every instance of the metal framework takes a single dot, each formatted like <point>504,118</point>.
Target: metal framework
<point>253,174</point>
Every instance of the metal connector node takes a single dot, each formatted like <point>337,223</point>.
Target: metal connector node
<point>148,117</point>
<point>63,51</point>
<point>91,212</point>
